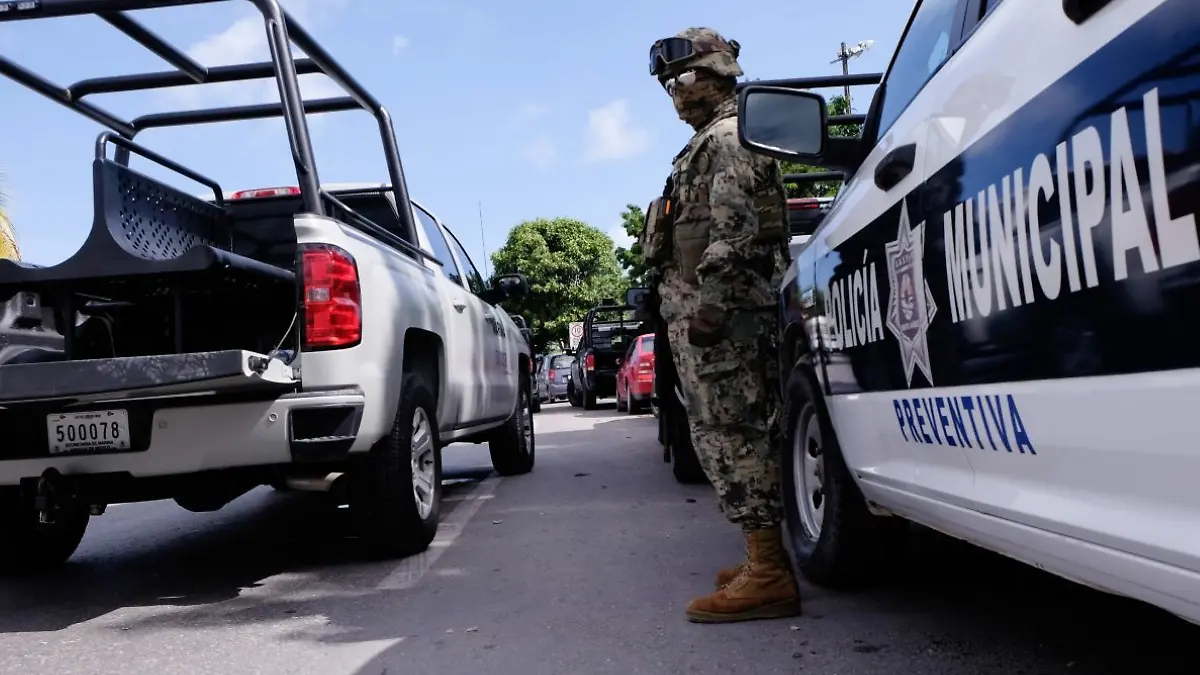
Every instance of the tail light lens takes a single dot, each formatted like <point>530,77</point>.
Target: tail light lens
<point>589,362</point>
<point>332,298</point>
<point>552,375</point>
<point>645,366</point>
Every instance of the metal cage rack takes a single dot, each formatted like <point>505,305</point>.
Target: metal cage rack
<point>282,31</point>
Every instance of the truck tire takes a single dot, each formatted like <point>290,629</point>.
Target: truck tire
<point>29,546</point>
<point>395,490</point>
<point>840,544</point>
<point>634,406</point>
<point>573,395</point>
<point>513,446</point>
<point>589,399</point>
<point>685,464</point>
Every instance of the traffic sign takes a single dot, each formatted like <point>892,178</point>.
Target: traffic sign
<point>576,331</point>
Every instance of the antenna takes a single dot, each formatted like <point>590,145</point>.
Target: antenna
<point>483,241</point>
<point>846,53</point>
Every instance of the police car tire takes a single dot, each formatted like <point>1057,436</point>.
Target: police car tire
<point>512,452</point>
<point>383,507</point>
<point>26,546</point>
<point>854,546</point>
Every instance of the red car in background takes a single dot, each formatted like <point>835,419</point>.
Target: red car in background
<point>635,379</point>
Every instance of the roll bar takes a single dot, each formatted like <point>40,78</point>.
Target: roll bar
<point>282,32</point>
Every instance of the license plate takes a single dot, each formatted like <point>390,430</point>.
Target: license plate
<point>88,432</point>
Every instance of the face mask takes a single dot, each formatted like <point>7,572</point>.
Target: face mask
<point>696,96</point>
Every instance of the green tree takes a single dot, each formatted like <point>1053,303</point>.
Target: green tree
<point>571,268</point>
<point>838,105</point>
<point>634,221</point>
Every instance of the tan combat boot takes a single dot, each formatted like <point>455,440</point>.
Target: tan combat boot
<point>728,574</point>
<point>765,588</point>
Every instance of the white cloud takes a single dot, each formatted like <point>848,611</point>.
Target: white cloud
<point>542,153</point>
<point>399,43</point>
<point>529,112</point>
<point>612,134</point>
<point>620,237</point>
<point>245,41</point>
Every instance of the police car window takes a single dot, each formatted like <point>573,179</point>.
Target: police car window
<point>925,48</point>
<point>474,281</point>
<point>437,242</point>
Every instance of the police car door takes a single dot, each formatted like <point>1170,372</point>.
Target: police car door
<point>873,271</point>
<point>1071,133</point>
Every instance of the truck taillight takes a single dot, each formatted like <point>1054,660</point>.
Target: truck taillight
<point>332,297</point>
<point>263,193</point>
<point>589,362</point>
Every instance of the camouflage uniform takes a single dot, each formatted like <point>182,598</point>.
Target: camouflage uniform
<point>720,297</point>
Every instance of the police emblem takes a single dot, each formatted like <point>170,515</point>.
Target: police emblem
<point>910,302</point>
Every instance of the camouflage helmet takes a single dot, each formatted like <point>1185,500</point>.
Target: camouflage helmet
<point>713,52</point>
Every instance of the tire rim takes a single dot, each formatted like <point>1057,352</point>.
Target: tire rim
<point>808,472</point>
<point>526,421</point>
<point>423,463</point>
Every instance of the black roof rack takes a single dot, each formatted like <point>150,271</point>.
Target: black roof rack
<point>282,31</point>
<point>823,82</point>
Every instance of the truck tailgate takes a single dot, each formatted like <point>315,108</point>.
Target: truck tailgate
<point>145,376</point>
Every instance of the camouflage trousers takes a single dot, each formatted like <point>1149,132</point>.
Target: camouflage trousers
<point>731,392</point>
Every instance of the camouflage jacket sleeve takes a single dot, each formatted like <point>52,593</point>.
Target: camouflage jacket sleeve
<point>734,246</point>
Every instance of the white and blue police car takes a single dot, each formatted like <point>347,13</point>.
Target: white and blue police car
<point>990,332</point>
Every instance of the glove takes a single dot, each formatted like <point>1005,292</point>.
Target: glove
<point>707,327</point>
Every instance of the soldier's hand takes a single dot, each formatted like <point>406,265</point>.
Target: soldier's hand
<point>707,327</point>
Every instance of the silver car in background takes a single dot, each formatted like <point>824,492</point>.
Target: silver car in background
<point>552,377</point>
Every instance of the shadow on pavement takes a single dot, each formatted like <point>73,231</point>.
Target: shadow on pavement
<point>963,610</point>
<point>157,554</point>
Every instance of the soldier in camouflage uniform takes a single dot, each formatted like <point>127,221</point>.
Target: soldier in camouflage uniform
<point>720,257</point>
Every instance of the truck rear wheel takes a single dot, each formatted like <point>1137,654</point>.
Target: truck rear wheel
<point>27,545</point>
<point>836,541</point>
<point>513,446</point>
<point>395,491</point>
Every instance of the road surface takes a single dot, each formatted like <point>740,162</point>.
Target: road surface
<point>581,568</point>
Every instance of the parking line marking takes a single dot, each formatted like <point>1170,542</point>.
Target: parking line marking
<point>410,570</point>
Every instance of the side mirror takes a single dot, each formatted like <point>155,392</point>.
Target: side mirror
<point>638,299</point>
<point>787,124</point>
<point>510,286</point>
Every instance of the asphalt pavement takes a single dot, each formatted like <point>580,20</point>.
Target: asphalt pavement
<point>582,567</point>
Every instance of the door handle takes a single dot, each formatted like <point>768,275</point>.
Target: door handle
<point>895,166</point>
<point>1082,10</point>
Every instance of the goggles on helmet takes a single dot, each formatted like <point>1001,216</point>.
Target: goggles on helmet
<point>668,51</point>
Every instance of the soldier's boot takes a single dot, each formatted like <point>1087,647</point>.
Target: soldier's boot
<point>765,588</point>
<point>728,574</point>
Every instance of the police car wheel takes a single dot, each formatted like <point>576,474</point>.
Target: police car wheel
<point>835,540</point>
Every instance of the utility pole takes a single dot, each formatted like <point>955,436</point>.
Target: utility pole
<point>845,53</point>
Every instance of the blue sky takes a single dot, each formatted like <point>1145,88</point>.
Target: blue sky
<point>543,112</point>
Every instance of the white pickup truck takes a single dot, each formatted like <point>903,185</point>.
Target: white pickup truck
<point>194,349</point>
